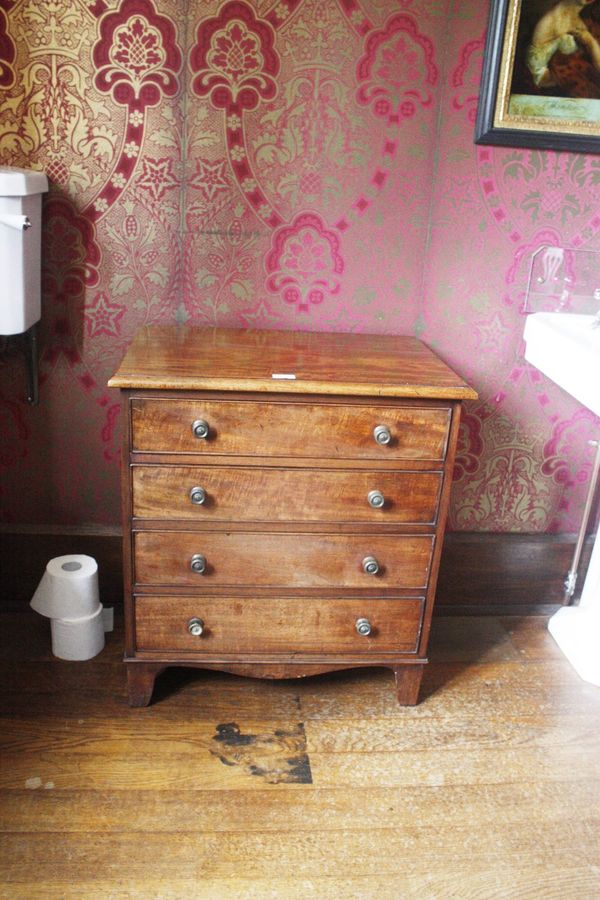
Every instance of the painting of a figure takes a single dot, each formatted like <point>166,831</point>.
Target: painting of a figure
<point>558,49</point>
<point>541,79</point>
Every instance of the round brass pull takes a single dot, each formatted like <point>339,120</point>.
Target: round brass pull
<point>376,499</point>
<point>198,564</point>
<point>200,429</point>
<point>198,496</point>
<point>363,626</point>
<point>196,627</point>
<point>370,565</point>
<point>382,434</point>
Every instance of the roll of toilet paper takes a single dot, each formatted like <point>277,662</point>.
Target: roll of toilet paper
<point>68,589</point>
<point>80,638</point>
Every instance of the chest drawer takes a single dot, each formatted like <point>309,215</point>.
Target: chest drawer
<point>281,560</point>
<point>251,494</point>
<point>233,626</point>
<point>243,428</point>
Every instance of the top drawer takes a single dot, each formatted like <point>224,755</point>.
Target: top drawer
<point>256,428</point>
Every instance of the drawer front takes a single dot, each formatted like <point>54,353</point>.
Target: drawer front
<point>246,494</point>
<point>248,428</point>
<point>211,559</point>
<point>241,627</point>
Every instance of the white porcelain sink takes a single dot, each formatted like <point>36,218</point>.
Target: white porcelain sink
<point>566,348</point>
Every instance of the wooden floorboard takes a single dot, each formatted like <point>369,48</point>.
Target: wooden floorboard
<point>228,787</point>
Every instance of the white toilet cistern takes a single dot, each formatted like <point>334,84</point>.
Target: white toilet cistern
<point>20,260</point>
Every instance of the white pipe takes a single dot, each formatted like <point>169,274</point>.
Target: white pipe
<point>576,629</point>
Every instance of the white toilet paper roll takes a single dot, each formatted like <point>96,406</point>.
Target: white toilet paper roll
<point>80,638</point>
<point>68,589</point>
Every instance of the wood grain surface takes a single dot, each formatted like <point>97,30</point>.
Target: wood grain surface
<point>303,430</point>
<point>253,494</point>
<point>324,787</point>
<point>283,560</point>
<point>173,358</point>
<point>245,626</point>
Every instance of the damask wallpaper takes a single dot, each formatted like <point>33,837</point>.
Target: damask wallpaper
<point>299,164</point>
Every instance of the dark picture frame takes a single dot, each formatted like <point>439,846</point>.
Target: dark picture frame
<point>513,110</point>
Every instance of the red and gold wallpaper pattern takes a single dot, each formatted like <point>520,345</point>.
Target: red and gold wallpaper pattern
<point>295,164</point>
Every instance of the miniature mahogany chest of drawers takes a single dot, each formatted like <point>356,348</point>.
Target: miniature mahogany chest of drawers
<point>284,500</point>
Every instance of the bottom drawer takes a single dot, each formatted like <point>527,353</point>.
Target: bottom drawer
<point>241,627</point>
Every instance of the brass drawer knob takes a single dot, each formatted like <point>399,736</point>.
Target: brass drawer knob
<point>198,496</point>
<point>382,434</point>
<point>196,627</point>
<point>198,564</point>
<point>376,499</point>
<point>200,429</point>
<point>370,565</point>
<point>363,626</point>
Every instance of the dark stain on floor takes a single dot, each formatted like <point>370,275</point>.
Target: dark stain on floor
<point>278,758</point>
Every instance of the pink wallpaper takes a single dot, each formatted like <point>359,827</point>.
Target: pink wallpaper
<point>525,461</point>
<point>300,164</point>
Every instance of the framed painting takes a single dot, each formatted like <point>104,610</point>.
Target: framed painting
<point>540,85</point>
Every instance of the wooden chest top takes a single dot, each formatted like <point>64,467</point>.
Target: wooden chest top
<point>166,357</point>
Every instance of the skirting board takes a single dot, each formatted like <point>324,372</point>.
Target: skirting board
<point>495,574</point>
<point>501,574</point>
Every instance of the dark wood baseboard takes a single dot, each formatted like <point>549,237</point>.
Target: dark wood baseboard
<point>498,574</point>
<point>495,574</point>
<point>25,552</point>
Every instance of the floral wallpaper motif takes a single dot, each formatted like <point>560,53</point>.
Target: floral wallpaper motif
<point>273,164</point>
